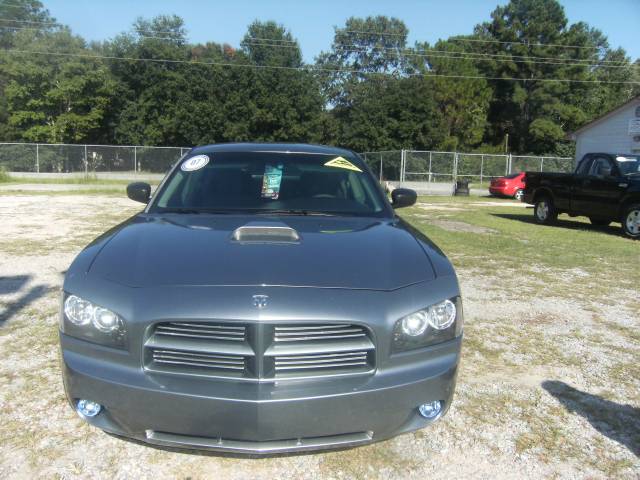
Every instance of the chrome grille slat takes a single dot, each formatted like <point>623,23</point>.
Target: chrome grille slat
<point>195,335</point>
<point>325,355</point>
<point>310,327</point>
<point>322,362</point>
<point>168,356</point>
<point>321,332</point>
<point>197,364</point>
<point>293,361</point>
<point>199,360</point>
<point>208,325</point>
<point>159,351</point>
<point>303,367</point>
<point>209,330</point>
<point>230,334</point>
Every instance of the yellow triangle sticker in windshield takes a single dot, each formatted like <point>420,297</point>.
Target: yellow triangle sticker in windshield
<point>340,162</point>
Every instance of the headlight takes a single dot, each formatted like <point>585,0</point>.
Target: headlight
<point>437,323</point>
<point>85,320</point>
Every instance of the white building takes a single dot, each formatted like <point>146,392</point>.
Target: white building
<point>615,132</point>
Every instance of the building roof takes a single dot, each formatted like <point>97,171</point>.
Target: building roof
<point>604,117</point>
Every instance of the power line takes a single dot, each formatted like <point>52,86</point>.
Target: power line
<point>34,22</point>
<point>494,55</point>
<point>364,32</point>
<point>312,68</point>
<point>434,53</point>
<point>515,42</point>
<point>479,56</point>
<point>528,44</point>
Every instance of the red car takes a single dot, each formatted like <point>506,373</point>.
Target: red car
<point>508,186</point>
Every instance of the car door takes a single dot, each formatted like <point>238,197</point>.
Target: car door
<point>601,189</point>
<point>577,184</point>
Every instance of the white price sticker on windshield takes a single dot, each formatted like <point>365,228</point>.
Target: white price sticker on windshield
<point>194,163</point>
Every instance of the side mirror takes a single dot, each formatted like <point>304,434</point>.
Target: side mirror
<point>139,192</point>
<point>403,197</point>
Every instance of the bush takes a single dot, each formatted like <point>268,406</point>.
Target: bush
<point>4,176</point>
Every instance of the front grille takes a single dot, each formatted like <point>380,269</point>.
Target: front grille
<point>259,351</point>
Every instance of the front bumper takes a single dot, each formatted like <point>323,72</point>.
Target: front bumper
<point>259,417</point>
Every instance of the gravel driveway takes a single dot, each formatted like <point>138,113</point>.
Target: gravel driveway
<point>549,385</point>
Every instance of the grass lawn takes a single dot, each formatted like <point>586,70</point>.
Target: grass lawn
<point>84,180</point>
<point>509,238</point>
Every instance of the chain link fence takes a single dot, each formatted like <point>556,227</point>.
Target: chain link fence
<point>87,159</point>
<point>411,166</point>
<point>433,166</point>
<point>386,165</point>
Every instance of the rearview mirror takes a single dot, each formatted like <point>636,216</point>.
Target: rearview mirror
<point>403,197</point>
<point>139,192</point>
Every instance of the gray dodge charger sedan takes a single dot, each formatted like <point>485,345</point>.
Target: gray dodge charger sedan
<point>267,299</point>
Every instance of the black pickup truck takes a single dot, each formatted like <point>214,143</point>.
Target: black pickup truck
<point>604,187</point>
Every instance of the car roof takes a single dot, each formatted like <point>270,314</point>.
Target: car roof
<point>271,147</point>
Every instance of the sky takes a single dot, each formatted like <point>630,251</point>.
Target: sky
<point>312,22</point>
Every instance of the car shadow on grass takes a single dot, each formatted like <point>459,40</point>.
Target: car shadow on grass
<point>561,223</point>
<point>617,421</point>
<point>13,284</point>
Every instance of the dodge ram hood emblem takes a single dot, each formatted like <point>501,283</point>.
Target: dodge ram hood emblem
<point>260,301</point>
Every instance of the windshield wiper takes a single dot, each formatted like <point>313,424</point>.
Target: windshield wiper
<point>192,210</point>
<point>293,211</point>
<point>178,210</point>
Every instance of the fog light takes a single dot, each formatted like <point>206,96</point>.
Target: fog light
<point>430,410</point>
<point>87,408</point>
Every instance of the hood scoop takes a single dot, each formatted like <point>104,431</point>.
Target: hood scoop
<point>265,233</point>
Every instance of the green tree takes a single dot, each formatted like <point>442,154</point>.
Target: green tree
<point>57,98</point>
<point>461,97</point>
<point>284,102</point>
<point>531,40</point>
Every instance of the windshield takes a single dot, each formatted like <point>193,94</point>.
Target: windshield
<point>628,164</point>
<point>271,182</point>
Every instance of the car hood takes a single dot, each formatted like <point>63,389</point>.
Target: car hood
<point>221,250</point>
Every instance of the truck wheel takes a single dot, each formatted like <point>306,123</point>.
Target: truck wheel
<point>598,222</point>
<point>519,194</point>
<point>631,221</point>
<point>544,211</point>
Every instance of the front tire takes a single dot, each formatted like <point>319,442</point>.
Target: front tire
<point>631,221</point>
<point>598,222</point>
<point>519,194</point>
<point>544,211</point>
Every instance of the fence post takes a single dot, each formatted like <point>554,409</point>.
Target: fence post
<point>402,166</point>
<point>430,166</point>
<point>135,158</point>
<point>86,162</point>
<point>455,167</point>
<point>508,166</point>
<point>37,158</point>
<point>541,164</point>
<point>380,174</point>
<point>481,167</point>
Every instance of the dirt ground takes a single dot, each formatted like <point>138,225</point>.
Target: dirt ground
<point>548,387</point>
